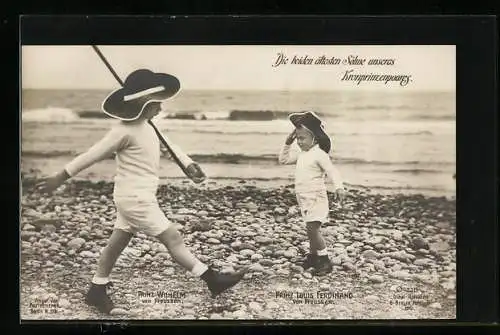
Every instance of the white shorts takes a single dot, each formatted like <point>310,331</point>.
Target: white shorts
<point>135,214</point>
<point>314,206</point>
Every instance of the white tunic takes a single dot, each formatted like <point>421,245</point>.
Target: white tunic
<point>310,187</point>
<point>312,167</point>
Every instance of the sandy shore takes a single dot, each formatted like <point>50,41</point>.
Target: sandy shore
<point>393,254</point>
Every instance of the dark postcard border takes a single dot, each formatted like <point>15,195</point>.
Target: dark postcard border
<point>475,40</point>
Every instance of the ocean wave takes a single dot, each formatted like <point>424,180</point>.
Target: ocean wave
<point>50,114</point>
<point>422,189</point>
<point>361,161</point>
<point>381,107</point>
<point>232,115</point>
<point>386,107</point>
<point>416,171</point>
<point>433,117</point>
<point>48,154</point>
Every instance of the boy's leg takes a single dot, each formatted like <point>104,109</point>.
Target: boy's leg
<point>217,283</point>
<point>174,242</point>
<point>312,256</point>
<point>118,240</point>
<point>97,296</point>
<point>323,264</point>
<point>316,241</point>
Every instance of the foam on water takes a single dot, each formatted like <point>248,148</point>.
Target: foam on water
<point>50,115</point>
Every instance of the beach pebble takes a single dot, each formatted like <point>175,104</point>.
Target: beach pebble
<point>324,286</point>
<point>31,213</point>
<point>448,285</point>
<point>76,243</point>
<point>28,227</point>
<point>118,311</point>
<point>348,266</point>
<point>247,252</point>
<point>397,235</point>
<point>290,253</point>
<point>240,314</point>
<point>169,271</point>
<point>64,303</point>
<point>280,219</point>
<point>376,279</point>
<point>254,306</point>
<point>336,261</point>
<point>439,246</point>
<point>447,273</point>
<point>419,243</point>
<point>435,305</point>
<point>282,272</point>
<point>307,275</point>
<point>251,207</point>
<point>266,262</point>
<point>370,254</point>
<point>236,245</point>
<point>202,213</point>
<point>263,240</point>
<point>272,305</point>
<point>256,257</point>
<point>401,274</point>
<point>422,262</point>
<point>46,219</point>
<point>87,253</point>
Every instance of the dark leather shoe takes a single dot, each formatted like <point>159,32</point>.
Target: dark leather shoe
<point>310,261</point>
<point>98,297</point>
<point>220,282</point>
<point>323,266</point>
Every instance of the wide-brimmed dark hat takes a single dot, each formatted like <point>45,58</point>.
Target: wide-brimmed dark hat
<point>139,89</point>
<point>314,124</point>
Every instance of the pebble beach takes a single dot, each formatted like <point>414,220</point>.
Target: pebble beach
<point>393,254</point>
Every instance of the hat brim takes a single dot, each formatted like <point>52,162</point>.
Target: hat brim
<point>304,117</point>
<point>313,123</point>
<point>119,107</point>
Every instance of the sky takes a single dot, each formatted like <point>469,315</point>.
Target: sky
<point>235,67</point>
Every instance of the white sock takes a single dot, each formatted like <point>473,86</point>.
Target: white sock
<point>323,252</point>
<point>100,280</point>
<point>198,269</point>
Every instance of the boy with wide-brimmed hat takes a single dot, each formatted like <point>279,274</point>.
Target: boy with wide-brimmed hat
<point>137,149</point>
<point>312,164</point>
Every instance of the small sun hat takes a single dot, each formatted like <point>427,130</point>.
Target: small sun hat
<point>313,123</point>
